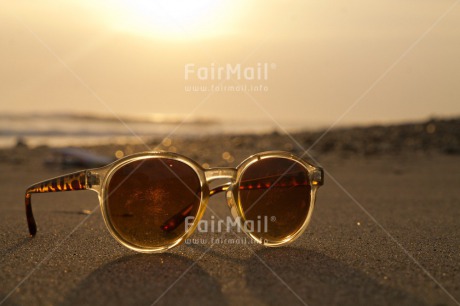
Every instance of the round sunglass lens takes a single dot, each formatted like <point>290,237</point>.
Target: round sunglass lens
<point>149,200</point>
<point>274,194</point>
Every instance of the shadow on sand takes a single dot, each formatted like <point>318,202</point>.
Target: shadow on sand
<point>302,277</point>
<point>312,278</point>
<point>144,279</point>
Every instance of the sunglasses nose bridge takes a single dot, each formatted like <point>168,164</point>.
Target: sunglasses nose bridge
<point>213,174</point>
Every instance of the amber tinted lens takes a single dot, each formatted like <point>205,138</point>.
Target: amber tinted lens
<point>275,197</point>
<point>149,201</point>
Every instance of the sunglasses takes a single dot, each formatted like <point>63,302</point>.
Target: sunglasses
<point>153,201</point>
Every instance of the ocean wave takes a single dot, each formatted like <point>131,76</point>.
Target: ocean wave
<point>126,118</point>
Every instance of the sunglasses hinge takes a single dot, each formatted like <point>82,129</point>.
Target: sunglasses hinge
<point>92,179</point>
<point>318,176</point>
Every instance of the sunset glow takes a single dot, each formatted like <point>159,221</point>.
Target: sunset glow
<point>172,19</point>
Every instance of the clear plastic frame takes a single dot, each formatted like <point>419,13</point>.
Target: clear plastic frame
<point>234,181</point>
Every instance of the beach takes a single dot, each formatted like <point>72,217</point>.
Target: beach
<point>385,229</point>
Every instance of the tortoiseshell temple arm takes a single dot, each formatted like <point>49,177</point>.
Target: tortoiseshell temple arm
<point>69,182</point>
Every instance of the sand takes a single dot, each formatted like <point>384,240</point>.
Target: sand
<point>385,231</point>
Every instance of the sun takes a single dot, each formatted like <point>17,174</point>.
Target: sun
<point>171,18</point>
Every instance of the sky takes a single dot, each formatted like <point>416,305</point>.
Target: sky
<point>321,62</point>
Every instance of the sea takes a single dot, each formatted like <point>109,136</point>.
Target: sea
<point>76,129</point>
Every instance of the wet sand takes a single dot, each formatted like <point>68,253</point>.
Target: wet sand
<point>385,230</point>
